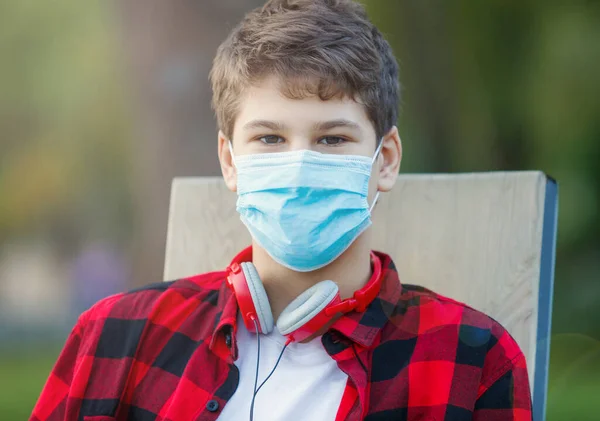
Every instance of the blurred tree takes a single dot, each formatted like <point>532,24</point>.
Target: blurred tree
<point>511,85</point>
<point>170,47</point>
<point>63,128</point>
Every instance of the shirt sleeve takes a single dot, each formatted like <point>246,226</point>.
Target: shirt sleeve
<point>57,401</point>
<point>505,395</point>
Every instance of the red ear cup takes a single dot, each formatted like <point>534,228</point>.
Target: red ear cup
<point>306,315</point>
<point>251,297</point>
<point>236,280</point>
<point>262,307</point>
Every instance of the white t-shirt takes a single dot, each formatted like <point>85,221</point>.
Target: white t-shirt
<point>307,384</point>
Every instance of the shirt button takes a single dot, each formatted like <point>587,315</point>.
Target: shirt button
<point>212,405</point>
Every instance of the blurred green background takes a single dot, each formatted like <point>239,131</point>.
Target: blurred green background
<point>103,102</point>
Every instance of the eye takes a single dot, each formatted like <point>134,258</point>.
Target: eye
<point>331,140</point>
<point>271,140</point>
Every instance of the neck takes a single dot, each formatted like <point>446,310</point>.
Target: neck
<point>351,271</point>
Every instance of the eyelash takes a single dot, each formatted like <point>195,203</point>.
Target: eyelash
<point>341,141</point>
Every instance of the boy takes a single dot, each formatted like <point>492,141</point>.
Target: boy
<point>306,95</point>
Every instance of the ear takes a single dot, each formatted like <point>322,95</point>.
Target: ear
<point>389,160</point>
<point>226,161</point>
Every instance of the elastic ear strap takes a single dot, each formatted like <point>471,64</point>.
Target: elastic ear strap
<point>231,152</point>
<point>377,151</point>
<point>374,202</point>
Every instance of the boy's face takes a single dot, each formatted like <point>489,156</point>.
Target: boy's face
<point>267,121</point>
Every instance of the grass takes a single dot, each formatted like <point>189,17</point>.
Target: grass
<point>574,386</point>
<point>22,376</point>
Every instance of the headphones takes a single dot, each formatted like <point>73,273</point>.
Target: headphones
<point>306,314</point>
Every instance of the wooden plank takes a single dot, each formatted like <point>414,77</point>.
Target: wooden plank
<point>204,229</point>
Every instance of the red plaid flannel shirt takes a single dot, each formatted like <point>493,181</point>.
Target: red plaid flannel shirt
<point>167,351</point>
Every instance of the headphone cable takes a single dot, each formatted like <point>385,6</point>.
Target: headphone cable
<point>276,364</point>
<point>257,366</point>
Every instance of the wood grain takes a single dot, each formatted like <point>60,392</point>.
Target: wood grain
<point>473,237</point>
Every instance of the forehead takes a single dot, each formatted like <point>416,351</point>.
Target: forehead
<point>266,101</point>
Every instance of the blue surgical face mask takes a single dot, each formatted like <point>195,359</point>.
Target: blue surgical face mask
<point>304,208</point>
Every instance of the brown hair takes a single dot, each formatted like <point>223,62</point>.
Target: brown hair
<point>315,47</point>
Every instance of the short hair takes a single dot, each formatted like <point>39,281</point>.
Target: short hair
<point>327,48</point>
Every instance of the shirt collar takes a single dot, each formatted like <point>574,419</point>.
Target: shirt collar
<point>226,320</point>
<point>360,327</point>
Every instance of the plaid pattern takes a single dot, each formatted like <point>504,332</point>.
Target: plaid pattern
<point>166,353</point>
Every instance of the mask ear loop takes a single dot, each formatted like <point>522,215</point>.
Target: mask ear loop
<point>374,202</point>
<point>231,152</point>
<point>377,151</point>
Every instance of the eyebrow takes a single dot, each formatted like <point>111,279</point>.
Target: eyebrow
<point>319,126</point>
<point>264,124</point>
<point>334,124</point>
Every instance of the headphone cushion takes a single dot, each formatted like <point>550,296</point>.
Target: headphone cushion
<point>306,306</point>
<point>259,297</point>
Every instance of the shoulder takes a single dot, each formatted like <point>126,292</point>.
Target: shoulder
<point>165,304</point>
<point>445,329</point>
